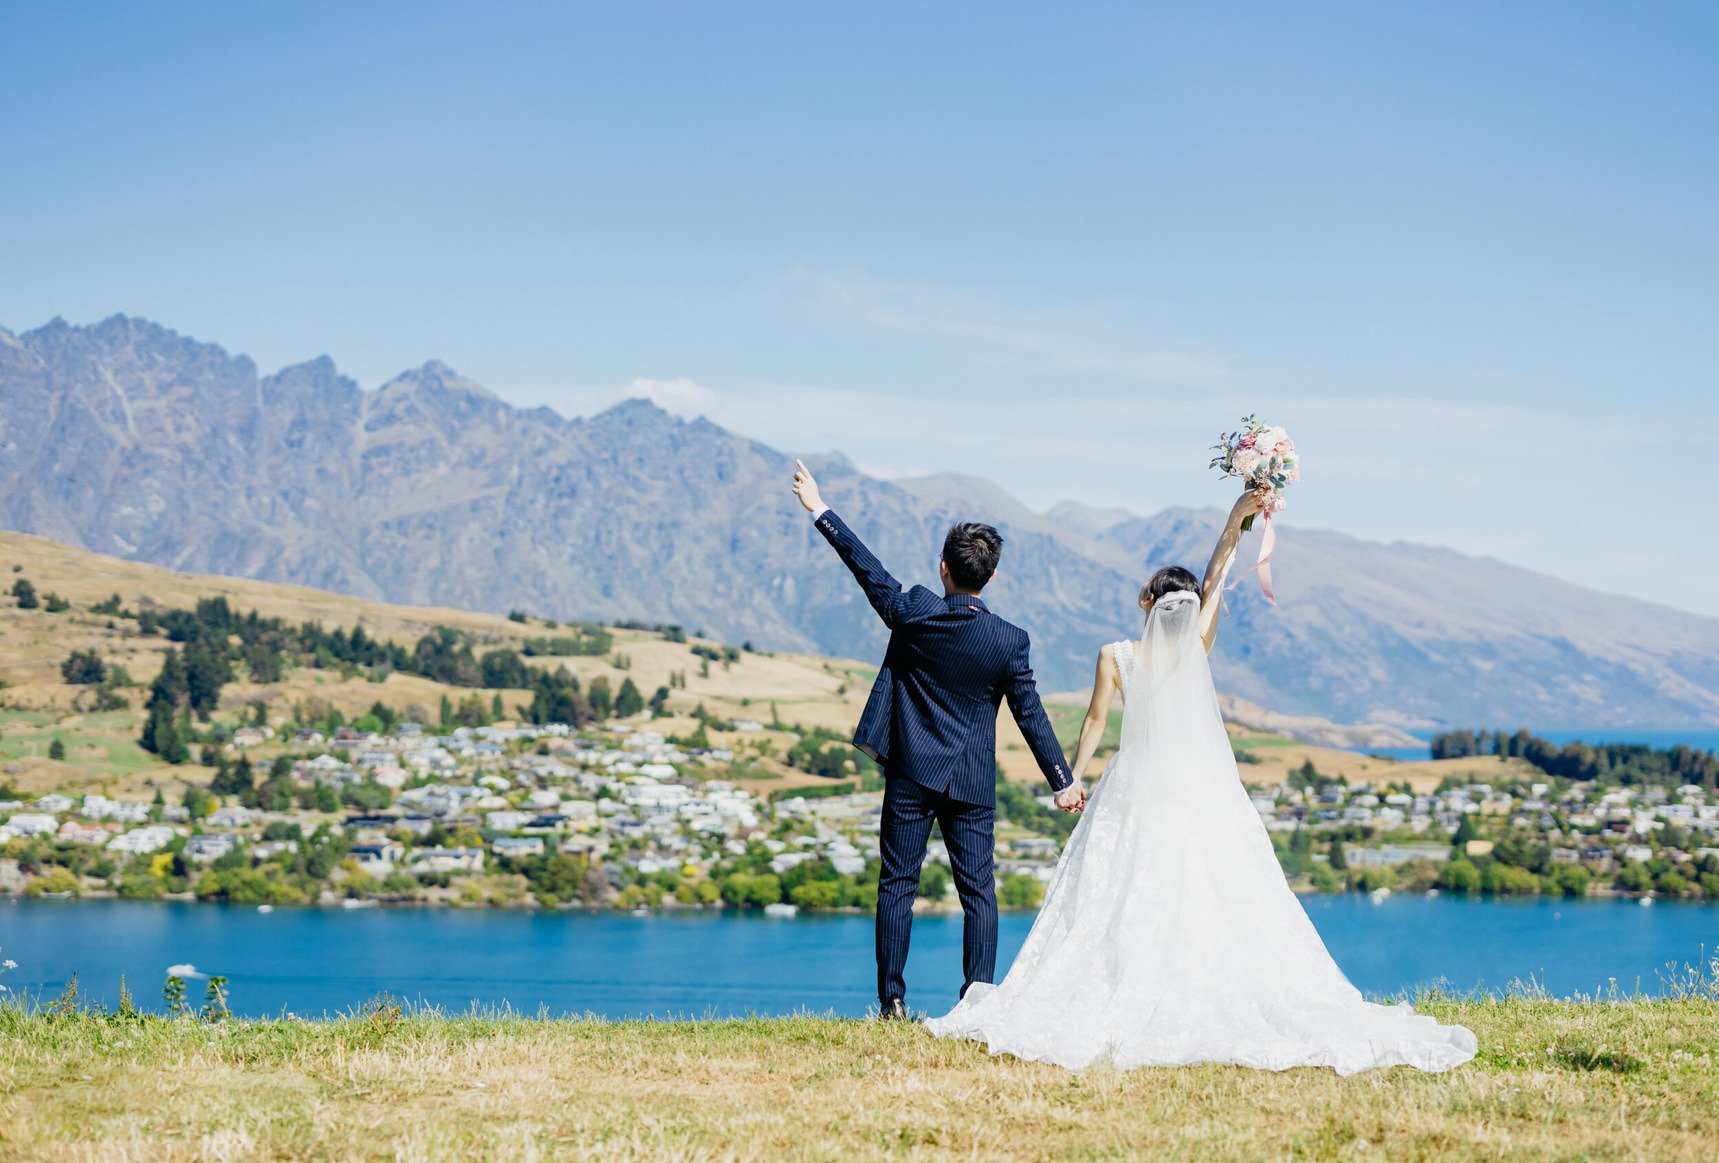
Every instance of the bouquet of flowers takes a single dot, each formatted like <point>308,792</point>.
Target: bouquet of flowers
<point>1265,457</point>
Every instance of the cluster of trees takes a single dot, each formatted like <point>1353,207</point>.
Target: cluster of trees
<point>213,640</point>
<point>669,631</point>
<point>24,591</point>
<point>296,874</point>
<point>1521,864</point>
<point>821,751</point>
<point>723,654</point>
<point>1298,853</point>
<point>1018,804</point>
<point>276,791</point>
<point>1624,763</point>
<point>189,684</point>
<point>591,641</point>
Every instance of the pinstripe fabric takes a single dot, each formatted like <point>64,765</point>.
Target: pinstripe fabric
<point>931,722</point>
<point>932,714</point>
<point>968,833</point>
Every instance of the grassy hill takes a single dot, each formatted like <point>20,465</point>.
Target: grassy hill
<point>1554,1080</point>
<point>101,749</point>
<point>792,691</point>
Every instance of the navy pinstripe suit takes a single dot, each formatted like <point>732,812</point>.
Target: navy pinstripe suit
<point>931,723</point>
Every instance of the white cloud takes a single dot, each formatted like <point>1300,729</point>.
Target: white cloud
<point>681,396</point>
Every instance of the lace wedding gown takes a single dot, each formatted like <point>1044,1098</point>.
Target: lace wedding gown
<point>1169,934</point>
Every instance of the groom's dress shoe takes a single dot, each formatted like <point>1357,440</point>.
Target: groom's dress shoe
<point>893,1010</point>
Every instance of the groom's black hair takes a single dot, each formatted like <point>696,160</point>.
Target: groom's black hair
<point>1167,581</point>
<point>971,552</point>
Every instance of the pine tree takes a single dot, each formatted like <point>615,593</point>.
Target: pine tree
<point>57,750</point>
<point>171,744</point>
<point>602,702</point>
<point>1465,831</point>
<point>1339,858</point>
<point>169,686</point>
<point>628,701</point>
<point>447,711</point>
<point>160,731</point>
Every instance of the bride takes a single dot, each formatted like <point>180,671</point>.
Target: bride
<point>1169,934</point>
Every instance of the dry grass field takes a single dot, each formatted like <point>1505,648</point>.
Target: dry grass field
<point>804,690</point>
<point>1554,1081</point>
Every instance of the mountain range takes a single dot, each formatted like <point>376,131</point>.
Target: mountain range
<point>127,438</point>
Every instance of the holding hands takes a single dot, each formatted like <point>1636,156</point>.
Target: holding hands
<point>1071,798</point>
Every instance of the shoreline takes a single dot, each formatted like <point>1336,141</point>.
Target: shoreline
<point>921,907</point>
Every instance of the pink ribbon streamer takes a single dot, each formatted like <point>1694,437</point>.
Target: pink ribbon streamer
<point>1267,544</point>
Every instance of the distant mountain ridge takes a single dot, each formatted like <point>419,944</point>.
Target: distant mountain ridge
<point>127,438</point>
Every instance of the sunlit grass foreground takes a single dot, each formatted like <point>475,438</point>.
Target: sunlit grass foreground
<point>1554,1080</point>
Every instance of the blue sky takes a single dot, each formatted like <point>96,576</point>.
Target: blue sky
<point>1467,253</point>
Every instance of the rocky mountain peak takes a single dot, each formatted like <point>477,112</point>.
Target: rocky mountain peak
<point>430,490</point>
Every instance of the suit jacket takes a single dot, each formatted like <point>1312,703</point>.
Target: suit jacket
<point>932,714</point>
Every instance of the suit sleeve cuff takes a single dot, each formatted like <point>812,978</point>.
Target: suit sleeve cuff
<point>820,512</point>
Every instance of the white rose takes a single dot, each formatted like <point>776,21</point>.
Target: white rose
<point>1269,439</point>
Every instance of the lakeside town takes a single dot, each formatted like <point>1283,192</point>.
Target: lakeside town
<point>319,750</point>
<point>620,815</point>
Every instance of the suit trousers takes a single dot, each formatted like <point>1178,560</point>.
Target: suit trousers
<point>969,832</point>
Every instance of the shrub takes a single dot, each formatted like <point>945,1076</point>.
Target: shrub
<point>1672,883</point>
<point>934,881</point>
<point>817,894</point>
<point>53,880</point>
<point>1508,880</point>
<point>1020,890</point>
<point>749,889</point>
<point>1460,876</point>
<point>1571,880</point>
<point>83,668</point>
<point>1634,877</point>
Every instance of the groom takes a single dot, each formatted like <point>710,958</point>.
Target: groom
<point>931,724</point>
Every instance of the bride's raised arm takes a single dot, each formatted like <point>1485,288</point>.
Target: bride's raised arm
<point>1223,556</point>
<point>1104,684</point>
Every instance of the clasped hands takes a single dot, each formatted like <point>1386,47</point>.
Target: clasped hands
<point>1071,798</point>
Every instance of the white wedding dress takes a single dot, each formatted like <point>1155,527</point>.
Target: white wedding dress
<point>1169,935</point>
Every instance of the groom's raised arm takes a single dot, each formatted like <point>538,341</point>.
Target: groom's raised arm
<point>881,589</point>
<point>1030,717</point>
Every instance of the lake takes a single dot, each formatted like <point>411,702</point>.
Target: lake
<point>311,961</point>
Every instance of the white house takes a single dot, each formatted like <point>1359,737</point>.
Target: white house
<point>518,846</point>
<point>379,857</point>
<point>211,847</point>
<point>429,861</point>
<point>139,840</point>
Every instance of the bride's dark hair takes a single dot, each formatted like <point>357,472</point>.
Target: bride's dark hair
<point>1168,580</point>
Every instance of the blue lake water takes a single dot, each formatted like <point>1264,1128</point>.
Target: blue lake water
<point>312,962</point>
<point>1700,739</point>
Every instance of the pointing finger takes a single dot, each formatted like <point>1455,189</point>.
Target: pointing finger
<point>801,465</point>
